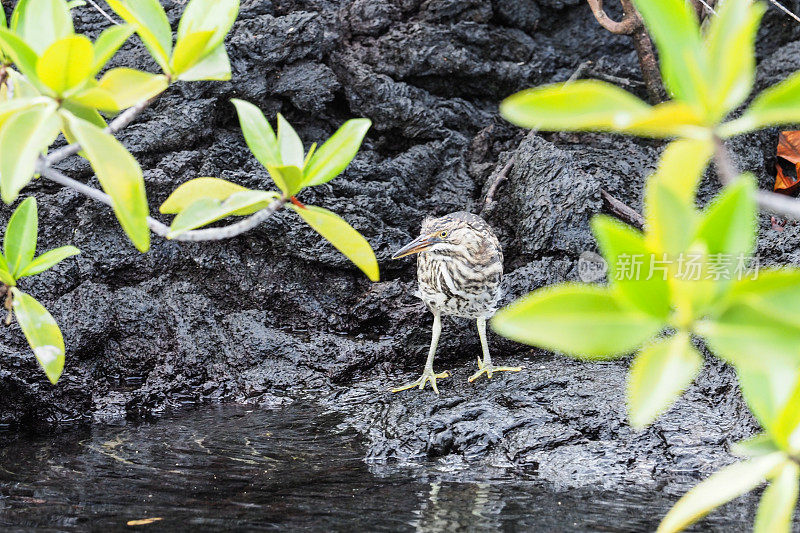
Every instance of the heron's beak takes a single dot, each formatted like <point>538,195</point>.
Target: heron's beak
<point>420,244</point>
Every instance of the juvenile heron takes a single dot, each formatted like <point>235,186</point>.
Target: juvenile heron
<point>459,269</point>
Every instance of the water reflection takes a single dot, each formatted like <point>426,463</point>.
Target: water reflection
<point>292,468</point>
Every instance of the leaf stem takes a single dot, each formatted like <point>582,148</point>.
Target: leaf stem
<point>161,229</point>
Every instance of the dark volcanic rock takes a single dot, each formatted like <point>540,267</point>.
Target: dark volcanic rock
<point>277,312</point>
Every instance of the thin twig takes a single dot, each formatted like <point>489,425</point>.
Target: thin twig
<point>770,202</point>
<point>499,178</point>
<point>621,210</point>
<point>124,118</point>
<point>102,12</point>
<point>162,230</point>
<point>782,8</point>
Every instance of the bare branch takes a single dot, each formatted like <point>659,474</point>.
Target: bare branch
<point>124,118</point>
<point>626,26</point>
<point>102,12</point>
<point>160,229</point>
<point>621,210</point>
<point>499,178</point>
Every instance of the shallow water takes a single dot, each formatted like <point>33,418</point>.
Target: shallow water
<point>240,468</point>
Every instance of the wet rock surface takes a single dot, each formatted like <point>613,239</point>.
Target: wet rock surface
<point>276,314</point>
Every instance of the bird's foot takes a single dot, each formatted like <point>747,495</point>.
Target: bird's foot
<point>490,369</point>
<point>427,375</point>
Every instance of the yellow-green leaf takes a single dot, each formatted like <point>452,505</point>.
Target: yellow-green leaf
<point>207,210</point>
<point>337,152</point>
<point>584,321</point>
<point>632,268</point>
<point>289,144</point>
<point>189,50</point>
<point>120,176</point>
<point>658,375</point>
<point>289,179</point>
<point>6,278</point>
<point>198,188</point>
<point>731,52</point>
<point>41,22</point>
<point>778,501</point>
<point>66,64</point>
<point>151,24</point>
<point>214,66</point>
<point>48,260</point>
<point>22,55</point>
<point>19,243</point>
<point>23,138</point>
<point>108,43</point>
<point>723,486</point>
<point>209,15</point>
<point>676,33</point>
<point>578,106</point>
<point>42,332</point>
<point>120,88</point>
<point>258,134</point>
<point>681,166</point>
<point>670,119</point>
<point>342,236</point>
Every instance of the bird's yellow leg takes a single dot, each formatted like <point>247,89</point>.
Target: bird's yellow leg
<point>485,366</point>
<point>428,374</point>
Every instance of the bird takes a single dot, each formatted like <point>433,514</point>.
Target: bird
<point>459,271</point>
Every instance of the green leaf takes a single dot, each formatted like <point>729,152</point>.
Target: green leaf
<point>289,179</point>
<point>659,374</point>
<point>189,50</point>
<point>22,55</point>
<point>258,134</point>
<point>722,487</point>
<point>6,278</point>
<point>669,119</point>
<point>23,88</point>
<point>675,31</point>
<point>289,144</point>
<point>342,236</point>
<point>337,152</point>
<point>765,351</point>
<point>48,260</point>
<point>728,225</point>
<point>198,188</point>
<point>82,112</point>
<point>22,139</point>
<point>215,188</point>
<point>19,244</point>
<point>775,291</point>
<point>578,106</point>
<point>41,22</point>
<point>584,321</point>
<point>66,64</point>
<point>778,501</point>
<point>215,66</point>
<point>120,88</point>
<point>731,52</point>
<point>120,176</point>
<point>216,16</point>
<point>670,221</point>
<point>761,444</point>
<point>42,333</point>
<point>623,247</point>
<point>151,24</point>
<point>12,107</point>
<point>207,210</point>
<point>109,42</point>
<point>785,429</point>
<point>779,104</point>
<point>681,166</point>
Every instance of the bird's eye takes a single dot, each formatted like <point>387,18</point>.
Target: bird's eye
<point>443,234</point>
